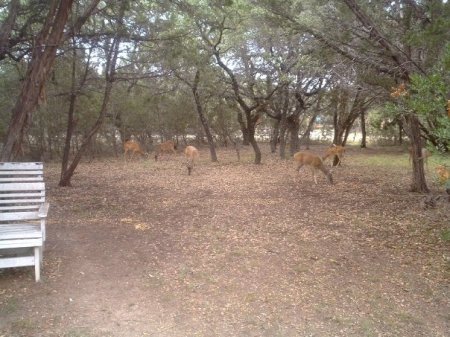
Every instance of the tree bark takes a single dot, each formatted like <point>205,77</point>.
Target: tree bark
<point>283,130</point>
<point>363,130</point>
<point>275,136</point>
<point>400,132</point>
<point>418,183</point>
<point>70,117</point>
<point>294,128</point>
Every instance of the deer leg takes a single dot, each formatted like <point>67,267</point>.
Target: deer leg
<point>314,175</point>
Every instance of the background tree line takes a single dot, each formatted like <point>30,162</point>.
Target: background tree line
<point>80,77</point>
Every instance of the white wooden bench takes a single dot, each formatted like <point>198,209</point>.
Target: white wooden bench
<point>23,213</point>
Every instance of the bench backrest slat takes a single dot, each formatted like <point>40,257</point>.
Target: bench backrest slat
<point>22,195</point>
<point>11,187</point>
<point>21,172</point>
<point>20,179</point>
<point>19,216</point>
<point>21,166</point>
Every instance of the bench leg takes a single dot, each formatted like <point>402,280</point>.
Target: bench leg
<point>37,263</point>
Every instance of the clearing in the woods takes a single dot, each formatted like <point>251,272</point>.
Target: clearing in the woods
<point>140,248</point>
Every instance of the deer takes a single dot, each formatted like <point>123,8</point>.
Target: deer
<point>334,150</point>
<point>167,146</point>
<point>134,147</point>
<point>315,162</point>
<point>191,153</point>
<point>425,153</point>
<point>443,174</point>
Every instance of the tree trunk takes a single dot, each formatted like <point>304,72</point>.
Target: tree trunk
<point>363,130</point>
<point>418,178</point>
<point>41,64</point>
<point>256,149</point>
<point>306,136</point>
<point>244,129</point>
<point>275,136</point>
<point>66,176</point>
<point>400,133</point>
<point>71,113</point>
<point>283,129</point>
<point>335,119</point>
<point>203,120</point>
<point>294,127</point>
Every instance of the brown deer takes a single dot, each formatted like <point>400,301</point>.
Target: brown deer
<point>314,161</point>
<point>133,147</point>
<point>165,147</point>
<point>191,153</point>
<point>443,174</point>
<point>334,150</point>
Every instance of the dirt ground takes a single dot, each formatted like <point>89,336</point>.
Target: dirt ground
<point>236,249</point>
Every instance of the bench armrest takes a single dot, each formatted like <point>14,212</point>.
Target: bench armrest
<point>43,210</point>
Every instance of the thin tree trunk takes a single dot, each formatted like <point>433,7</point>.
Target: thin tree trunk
<point>335,121</point>
<point>110,72</point>
<point>283,129</point>
<point>66,176</point>
<point>244,129</point>
<point>203,120</point>
<point>294,127</point>
<point>70,117</point>
<point>363,130</point>
<point>400,133</point>
<point>256,149</point>
<point>275,136</point>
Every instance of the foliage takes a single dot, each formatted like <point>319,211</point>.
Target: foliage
<point>427,97</point>
<point>266,44</point>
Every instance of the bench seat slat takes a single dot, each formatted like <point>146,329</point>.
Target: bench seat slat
<point>20,232</point>
<point>17,216</point>
<point>21,197</point>
<point>20,243</point>
<point>19,207</point>
<point>17,261</point>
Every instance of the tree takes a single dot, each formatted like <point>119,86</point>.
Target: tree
<point>15,39</point>
<point>111,49</point>
<point>388,38</point>
<point>43,56</point>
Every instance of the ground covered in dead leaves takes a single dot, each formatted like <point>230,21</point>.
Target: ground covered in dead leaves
<point>236,249</point>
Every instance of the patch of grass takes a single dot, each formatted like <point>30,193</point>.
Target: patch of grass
<point>10,306</point>
<point>367,328</point>
<point>23,325</point>
<point>384,160</point>
<point>445,234</point>
<point>408,318</point>
<point>78,332</point>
